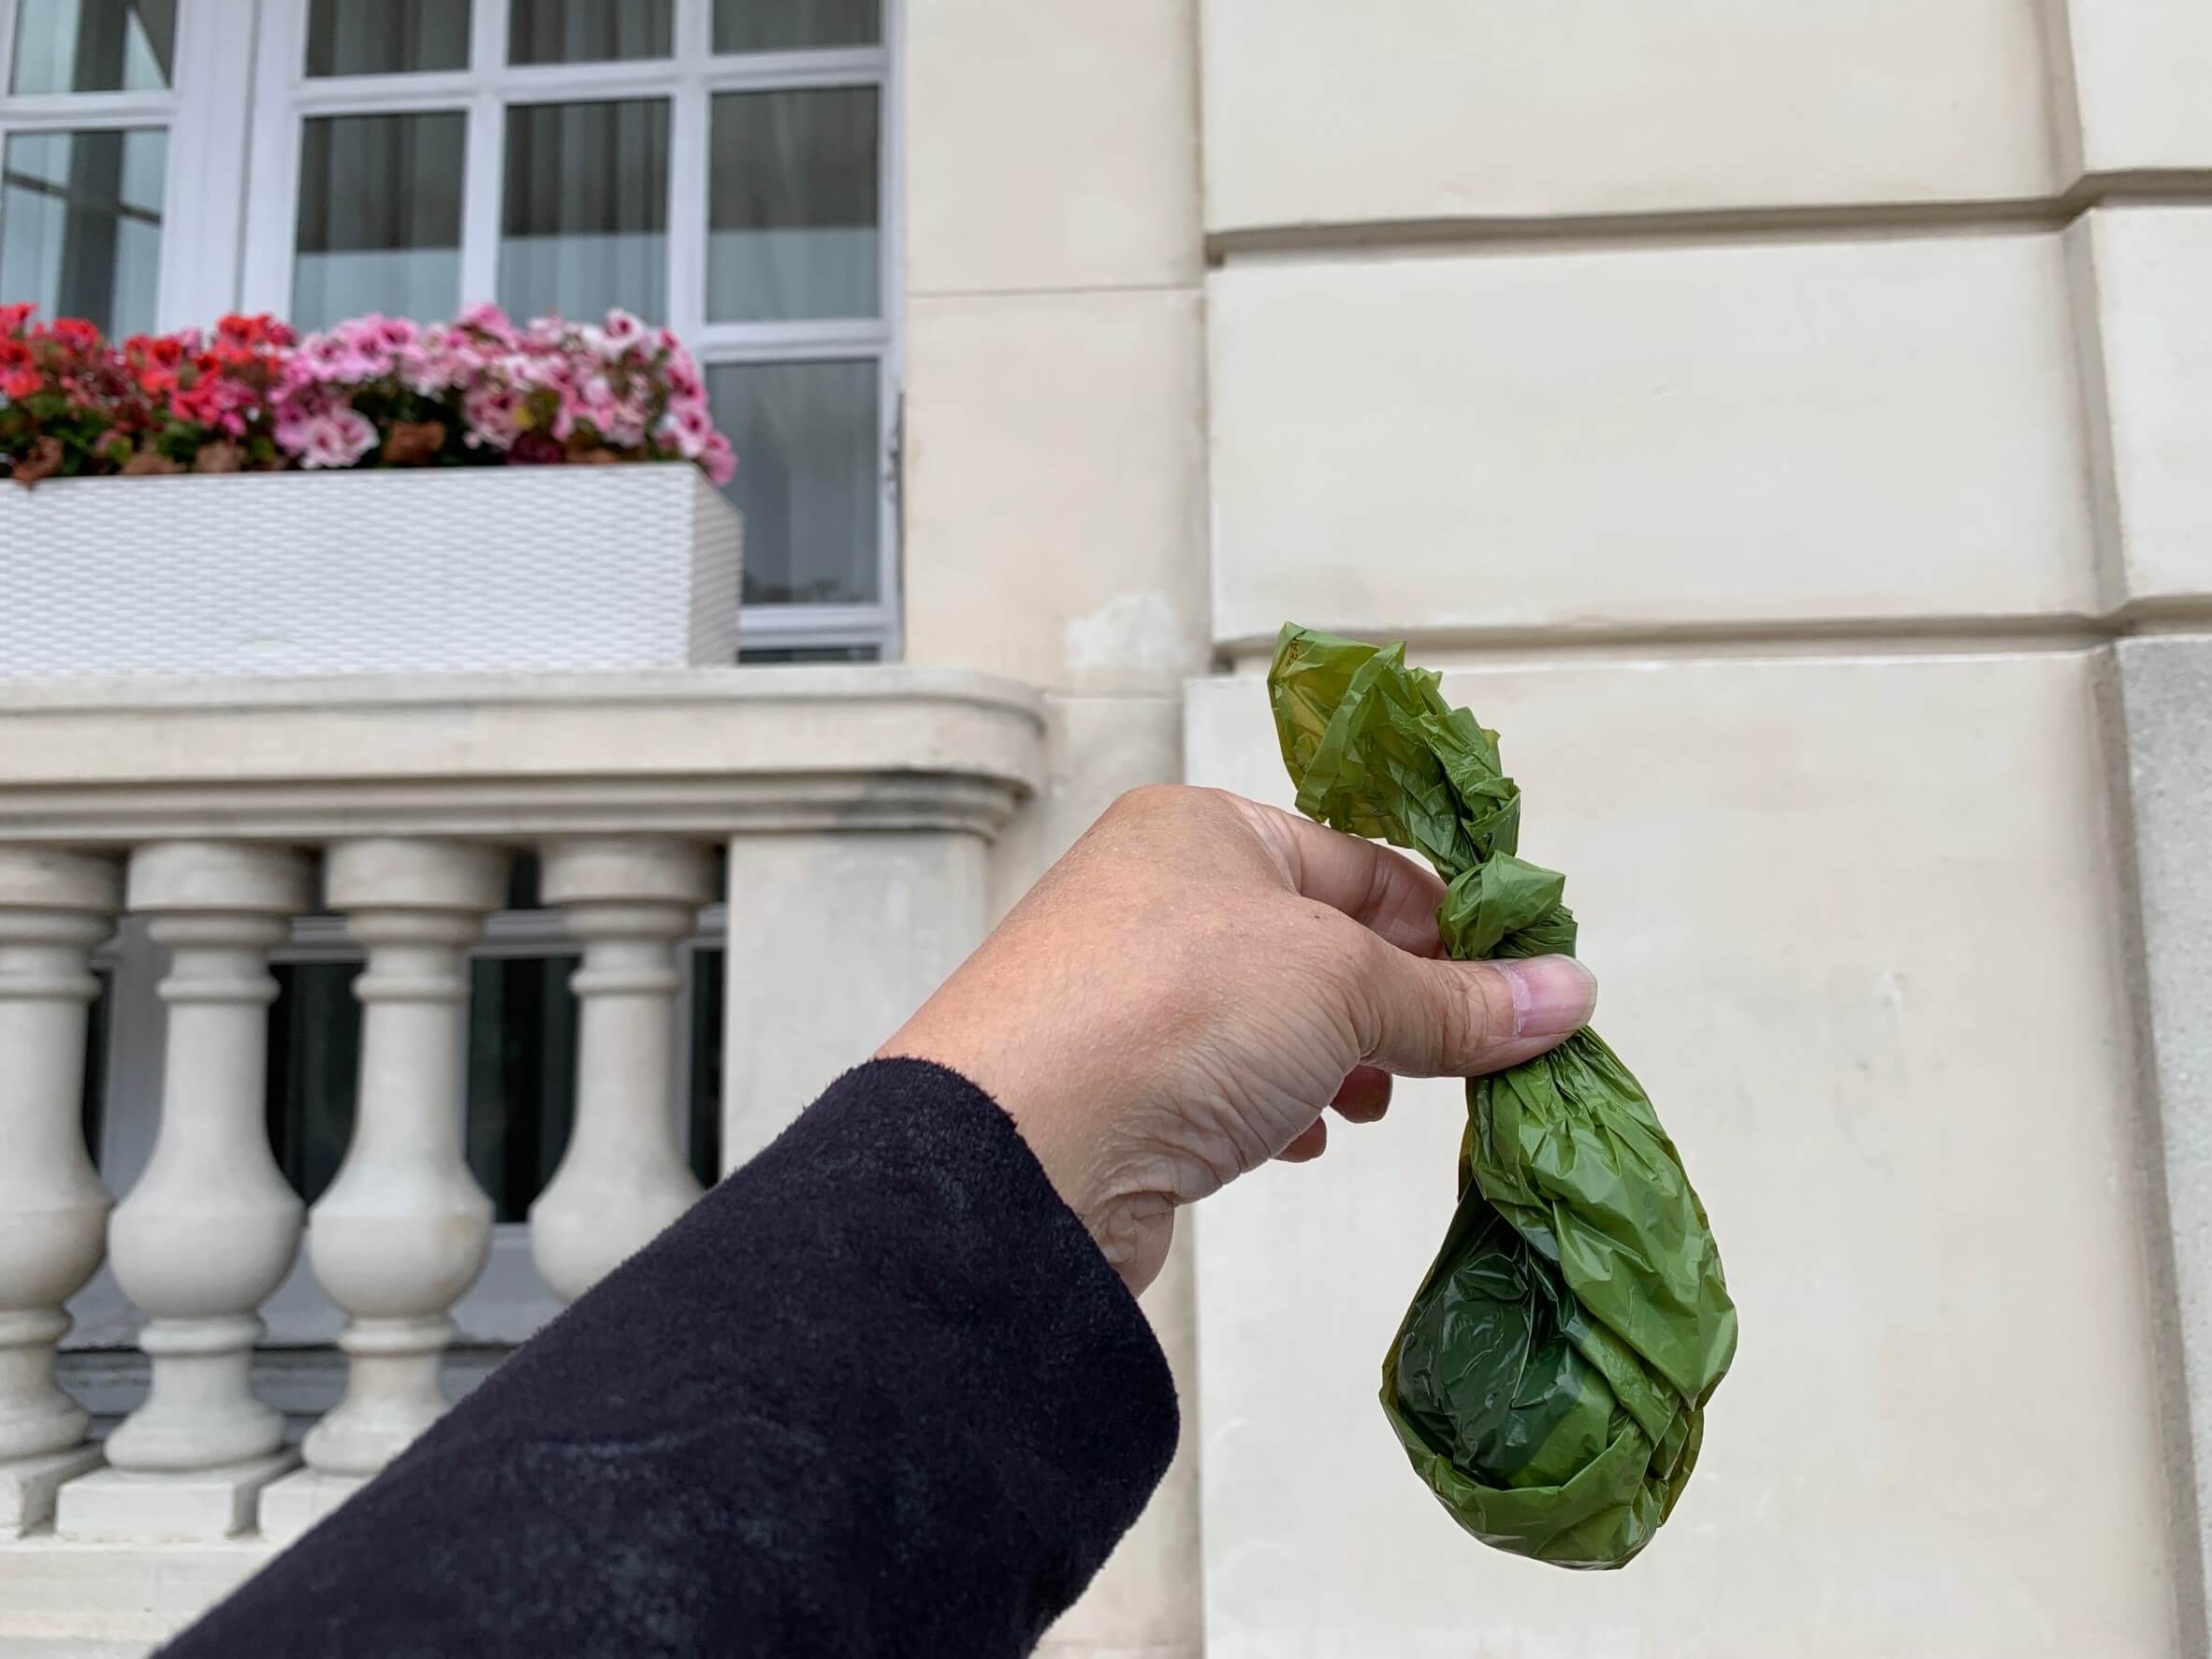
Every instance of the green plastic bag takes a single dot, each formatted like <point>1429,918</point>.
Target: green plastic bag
<point>1550,1379</point>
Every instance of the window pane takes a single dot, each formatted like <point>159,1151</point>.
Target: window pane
<point>705,1104</point>
<point>782,25</point>
<point>586,222</point>
<point>82,46</point>
<point>387,36</point>
<point>521,1076</point>
<point>844,653</point>
<point>81,225</point>
<point>791,220</point>
<point>92,1095</point>
<point>314,1060</point>
<point>380,215</point>
<point>810,477</point>
<point>590,31</point>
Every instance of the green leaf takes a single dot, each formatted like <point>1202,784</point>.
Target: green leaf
<point>1549,1380</point>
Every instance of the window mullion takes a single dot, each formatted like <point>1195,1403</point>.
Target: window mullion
<point>7,48</point>
<point>71,110</point>
<point>480,202</point>
<point>806,341</point>
<point>481,179</point>
<point>487,38</point>
<point>687,195</point>
<point>890,304</point>
<point>205,207</point>
<point>781,71</point>
<point>272,168</point>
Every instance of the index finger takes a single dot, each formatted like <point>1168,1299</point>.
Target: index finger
<point>1375,887</point>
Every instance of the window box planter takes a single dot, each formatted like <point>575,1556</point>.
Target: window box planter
<point>531,569</point>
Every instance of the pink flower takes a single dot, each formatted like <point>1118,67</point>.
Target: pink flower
<point>720,460</point>
<point>622,423</point>
<point>490,414</point>
<point>424,372</point>
<point>621,332</point>
<point>338,439</point>
<point>322,353</point>
<point>684,437</point>
<point>486,319</point>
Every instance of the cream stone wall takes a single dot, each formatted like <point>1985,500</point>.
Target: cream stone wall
<point>1856,921</point>
<point>1054,488</point>
<point>1406,111</point>
<point>1789,423</point>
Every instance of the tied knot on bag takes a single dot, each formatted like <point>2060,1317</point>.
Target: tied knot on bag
<point>1377,759</point>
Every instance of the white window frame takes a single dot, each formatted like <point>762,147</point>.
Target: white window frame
<point>204,190</point>
<point>285,96</point>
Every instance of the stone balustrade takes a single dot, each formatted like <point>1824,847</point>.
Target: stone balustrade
<point>221,813</point>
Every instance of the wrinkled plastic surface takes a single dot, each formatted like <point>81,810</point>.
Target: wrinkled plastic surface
<point>1550,1379</point>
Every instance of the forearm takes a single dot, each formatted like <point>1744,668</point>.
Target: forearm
<point>878,1392</point>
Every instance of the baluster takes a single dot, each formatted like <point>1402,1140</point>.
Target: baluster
<point>54,907</point>
<point>404,1229</point>
<point>624,1176</point>
<point>211,1227</point>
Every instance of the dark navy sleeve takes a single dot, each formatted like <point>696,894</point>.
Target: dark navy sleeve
<point>878,1393</point>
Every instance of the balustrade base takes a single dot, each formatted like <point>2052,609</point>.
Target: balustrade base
<point>28,1485</point>
<point>115,1505</point>
<point>301,1498</point>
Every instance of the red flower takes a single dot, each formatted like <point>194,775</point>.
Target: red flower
<point>258,329</point>
<point>157,381</point>
<point>198,404</point>
<point>76,333</point>
<point>21,383</point>
<point>13,318</point>
<point>14,354</point>
<point>156,351</point>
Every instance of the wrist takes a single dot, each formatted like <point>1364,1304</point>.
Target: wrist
<point>1112,1209</point>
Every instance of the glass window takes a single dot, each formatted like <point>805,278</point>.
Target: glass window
<point>786,26</point>
<point>809,477</point>
<point>380,216</point>
<point>88,46</point>
<point>705,1137</point>
<point>589,30</point>
<point>387,36</point>
<point>93,1092</point>
<point>522,1075</point>
<point>80,224</point>
<point>843,653</point>
<point>584,225</point>
<point>792,215</point>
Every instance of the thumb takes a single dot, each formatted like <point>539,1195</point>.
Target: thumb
<point>1425,1017</point>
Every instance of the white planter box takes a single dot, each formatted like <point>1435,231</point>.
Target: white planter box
<point>525,569</point>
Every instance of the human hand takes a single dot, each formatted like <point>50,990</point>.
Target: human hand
<point>1179,998</point>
